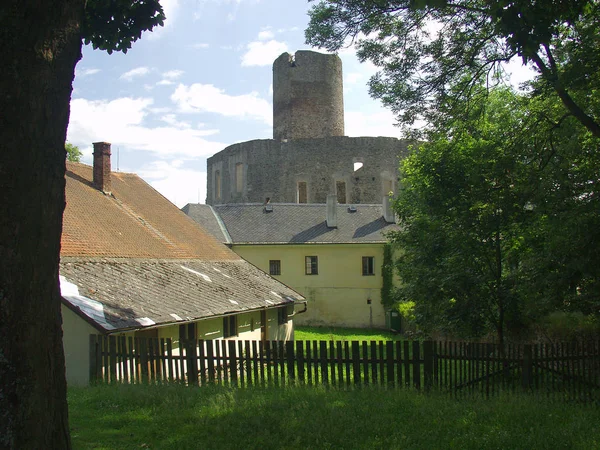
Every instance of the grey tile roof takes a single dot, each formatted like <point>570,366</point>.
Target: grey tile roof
<point>296,223</point>
<point>205,215</point>
<point>126,293</point>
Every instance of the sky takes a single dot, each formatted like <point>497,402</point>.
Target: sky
<point>200,83</point>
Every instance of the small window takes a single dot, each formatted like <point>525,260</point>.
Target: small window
<point>218,185</point>
<point>368,265</point>
<point>340,189</point>
<point>282,315</point>
<point>312,265</point>
<point>274,267</point>
<point>302,193</point>
<point>230,326</point>
<point>239,177</point>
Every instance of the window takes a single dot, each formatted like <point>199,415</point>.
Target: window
<point>187,332</point>
<point>282,315</point>
<point>230,326</point>
<point>302,193</point>
<point>239,177</point>
<point>340,189</point>
<point>274,267</point>
<point>218,185</point>
<point>312,265</point>
<point>368,265</point>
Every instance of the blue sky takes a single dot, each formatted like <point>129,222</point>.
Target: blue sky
<point>197,85</point>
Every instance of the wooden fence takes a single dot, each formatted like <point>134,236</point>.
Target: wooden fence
<point>566,371</point>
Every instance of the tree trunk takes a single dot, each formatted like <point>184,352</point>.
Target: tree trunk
<point>40,43</point>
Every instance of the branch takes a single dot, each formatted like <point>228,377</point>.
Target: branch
<point>550,74</point>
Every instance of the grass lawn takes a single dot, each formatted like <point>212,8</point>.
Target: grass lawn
<point>176,417</point>
<point>343,334</point>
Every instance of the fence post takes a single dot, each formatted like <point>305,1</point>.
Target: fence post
<point>527,368</point>
<point>192,363</point>
<point>289,353</point>
<point>428,364</point>
<point>112,345</point>
<point>416,360</point>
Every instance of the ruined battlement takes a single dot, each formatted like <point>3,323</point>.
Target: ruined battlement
<point>308,97</point>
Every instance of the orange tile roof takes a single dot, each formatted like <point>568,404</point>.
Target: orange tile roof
<point>134,222</point>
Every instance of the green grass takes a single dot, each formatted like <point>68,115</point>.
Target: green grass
<point>176,417</point>
<point>342,334</point>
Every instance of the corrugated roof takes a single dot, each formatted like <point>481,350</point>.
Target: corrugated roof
<point>133,259</point>
<point>295,223</point>
<point>126,293</point>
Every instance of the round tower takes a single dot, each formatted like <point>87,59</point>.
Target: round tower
<point>308,98</point>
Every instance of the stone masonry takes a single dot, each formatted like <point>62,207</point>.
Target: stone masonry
<point>309,156</point>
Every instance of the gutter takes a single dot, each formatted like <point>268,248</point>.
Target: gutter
<point>303,302</point>
<point>217,316</point>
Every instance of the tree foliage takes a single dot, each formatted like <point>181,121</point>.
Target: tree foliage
<point>73,152</point>
<point>114,25</point>
<point>433,54</point>
<point>500,218</point>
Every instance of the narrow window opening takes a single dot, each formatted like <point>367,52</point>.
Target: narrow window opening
<point>239,177</point>
<point>187,332</point>
<point>340,189</point>
<point>230,326</point>
<point>282,315</point>
<point>218,185</point>
<point>302,193</point>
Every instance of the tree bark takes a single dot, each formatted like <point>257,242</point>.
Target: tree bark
<point>40,43</point>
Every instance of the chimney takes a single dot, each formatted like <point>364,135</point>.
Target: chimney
<point>388,213</point>
<point>102,166</point>
<point>332,211</point>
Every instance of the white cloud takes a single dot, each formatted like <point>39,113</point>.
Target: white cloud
<point>165,83</point>
<point>121,122</point>
<point>200,45</point>
<point>208,98</point>
<point>86,72</point>
<point>265,34</point>
<point>370,124</point>
<point>177,183</point>
<point>171,119</point>
<point>263,53</point>
<point>173,74</point>
<point>134,73</point>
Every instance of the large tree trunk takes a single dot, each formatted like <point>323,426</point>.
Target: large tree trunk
<point>40,44</point>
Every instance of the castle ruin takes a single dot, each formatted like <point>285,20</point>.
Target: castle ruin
<point>309,157</point>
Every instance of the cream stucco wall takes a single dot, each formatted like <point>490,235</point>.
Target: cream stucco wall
<point>339,294</point>
<point>76,332</point>
<point>76,345</point>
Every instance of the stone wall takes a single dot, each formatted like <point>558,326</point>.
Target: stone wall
<point>273,169</point>
<point>308,98</point>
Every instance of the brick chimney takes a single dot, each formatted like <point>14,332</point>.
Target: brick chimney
<point>102,166</point>
<point>332,211</point>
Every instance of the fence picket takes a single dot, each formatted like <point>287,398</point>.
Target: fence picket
<point>568,370</point>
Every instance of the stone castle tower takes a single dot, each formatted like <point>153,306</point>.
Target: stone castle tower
<point>308,96</point>
<point>309,157</point>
